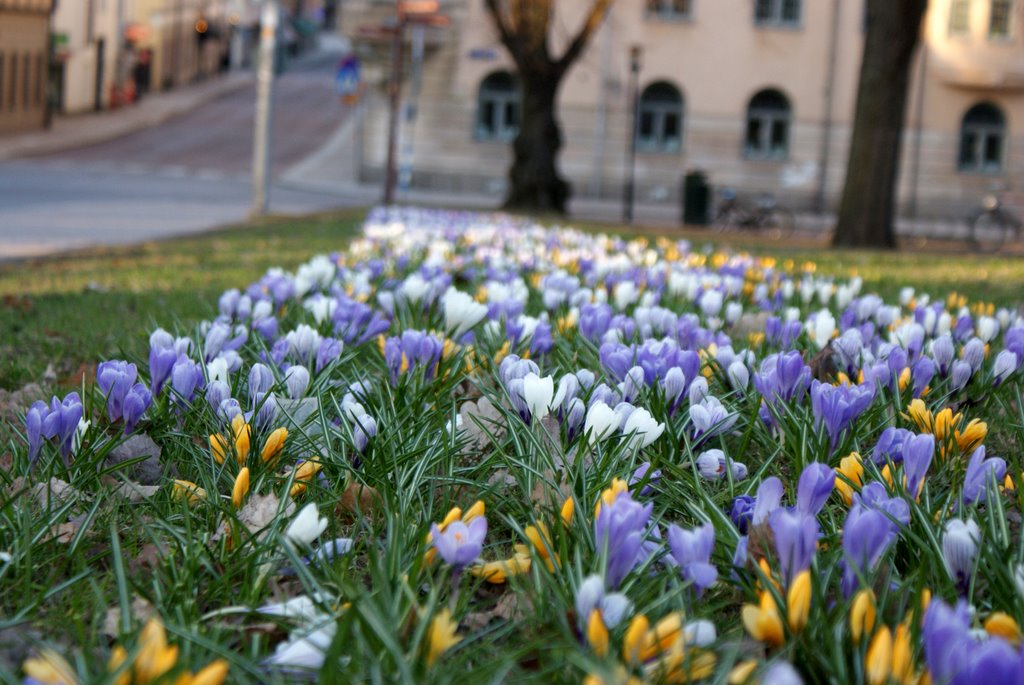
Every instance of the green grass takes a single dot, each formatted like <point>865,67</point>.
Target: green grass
<point>69,311</point>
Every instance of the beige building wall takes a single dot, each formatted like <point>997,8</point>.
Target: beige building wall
<point>24,37</point>
<point>718,58</point>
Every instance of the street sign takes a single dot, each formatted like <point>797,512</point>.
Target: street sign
<point>347,79</point>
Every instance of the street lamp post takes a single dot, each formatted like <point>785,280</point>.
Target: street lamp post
<point>264,108</point>
<point>395,94</point>
<point>634,76</point>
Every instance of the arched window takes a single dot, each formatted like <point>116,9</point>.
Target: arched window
<point>497,112</point>
<point>659,126</point>
<point>982,133</point>
<point>768,118</point>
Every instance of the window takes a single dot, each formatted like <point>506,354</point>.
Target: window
<point>659,126</point>
<point>497,115</point>
<point>981,139</point>
<point>669,9</point>
<point>768,117</point>
<point>960,17</point>
<point>40,77</point>
<point>999,19</point>
<point>777,12</point>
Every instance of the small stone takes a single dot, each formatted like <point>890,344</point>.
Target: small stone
<point>149,471</point>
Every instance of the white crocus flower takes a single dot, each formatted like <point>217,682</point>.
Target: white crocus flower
<point>217,370</point>
<point>822,328</point>
<point>307,525</point>
<point>739,375</point>
<point>643,427</point>
<point>601,422</point>
<point>988,328</point>
<point>415,287</point>
<point>305,651</point>
<point>461,312</point>
<point>538,394</point>
<point>960,548</point>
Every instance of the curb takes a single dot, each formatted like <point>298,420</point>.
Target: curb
<point>47,145</point>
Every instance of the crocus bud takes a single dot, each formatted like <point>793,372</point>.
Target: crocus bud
<point>574,416</point>
<point>643,428</point>
<point>601,422</point>
<point>261,379</point>
<point>296,378</point>
<point>1005,364</point>
<point>307,525</point>
<point>961,374</point>
<point>974,353</point>
<point>538,393</point>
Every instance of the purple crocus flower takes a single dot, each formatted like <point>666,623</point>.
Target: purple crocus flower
<point>644,473</point>
<point>711,418</point>
<point>918,452</point>
<point>460,544</point>
<point>691,550</point>
<point>261,380</point>
<point>328,350</point>
<point>890,446</point>
<point>115,378</point>
<point>742,512</point>
<point>961,374</point>
<point>162,356</point>
<point>981,474</point>
<point>960,541</point>
<point>816,483</point>
<point>34,419</point>
<point>867,535</point>
<point>591,595</point>
<point>796,538</point>
<point>61,421</point>
<point>136,402</point>
<point>186,377</point>
<point>956,656</point>
<point>838,406</point>
<point>619,531</point>
<point>922,372</point>
<point>874,496</point>
<point>413,349</point>
<point>769,495</point>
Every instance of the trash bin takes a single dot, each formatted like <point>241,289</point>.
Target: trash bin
<point>696,199</point>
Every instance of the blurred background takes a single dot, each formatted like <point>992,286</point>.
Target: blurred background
<point>123,120</point>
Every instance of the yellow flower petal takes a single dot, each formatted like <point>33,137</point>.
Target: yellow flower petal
<point>273,445</point>
<point>441,637</point>
<point>798,601</point>
<point>241,488</point>
<point>878,661</point>
<point>862,615</point>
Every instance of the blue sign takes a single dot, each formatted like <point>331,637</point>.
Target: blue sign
<point>346,81</point>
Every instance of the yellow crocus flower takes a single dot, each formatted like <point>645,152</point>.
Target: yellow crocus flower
<point>441,636</point>
<point>188,491</point>
<point>498,572</point>
<point>610,494</point>
<point>798,601</point>
<point>568,508</point>
<point>1003,625</point>
<point>878,660</point>
<point>304,473</point>
<point>243,438</point>
<point>218,447</point>
<point>633,641</point>
<point>597,633</point>
<point>920,415</point>
<point>862,615</point>
<point>50,668</point>
<point>944,421</point>
<point>741,672</point>
<point>240,488</point>
<point>118,656</point>
<point>273,445</point>
<point>902,656</point>
<point>663,635</point>
<point>214,673</point>
<point>852,468</point>
<point>972,435</point>
<point>155,657</point>
<point>763,622</point>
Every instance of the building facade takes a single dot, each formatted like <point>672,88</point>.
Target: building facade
<point>757,94</point>
<point>24,41</point>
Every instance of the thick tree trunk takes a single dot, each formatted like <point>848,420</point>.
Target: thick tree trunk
<point>867,209</point>
<point>534,182</point>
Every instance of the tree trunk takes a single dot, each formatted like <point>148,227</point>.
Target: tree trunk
<point>867,209</point>
<point>535,184</point>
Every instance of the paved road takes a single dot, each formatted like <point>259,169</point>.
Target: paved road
<point>185,175</point>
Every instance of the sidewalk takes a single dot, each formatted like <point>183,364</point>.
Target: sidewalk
<point>79,130</point>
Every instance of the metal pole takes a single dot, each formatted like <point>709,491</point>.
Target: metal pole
<point>411,108</point>
<point>395,93</point>
<point>264,108</point>
<point>627,200</point>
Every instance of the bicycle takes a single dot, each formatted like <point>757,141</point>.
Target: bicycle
<point>992,225</point>
<point>766,215</point>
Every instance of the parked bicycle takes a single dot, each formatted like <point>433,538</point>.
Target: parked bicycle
<point>766,215</point>
<point>992,225</point>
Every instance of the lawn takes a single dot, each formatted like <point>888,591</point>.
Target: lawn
<point>510,455</point>
<point>58,315</point>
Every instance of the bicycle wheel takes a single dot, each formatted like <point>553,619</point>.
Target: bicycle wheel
<point>780,223</point>
<point>990,230</point>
